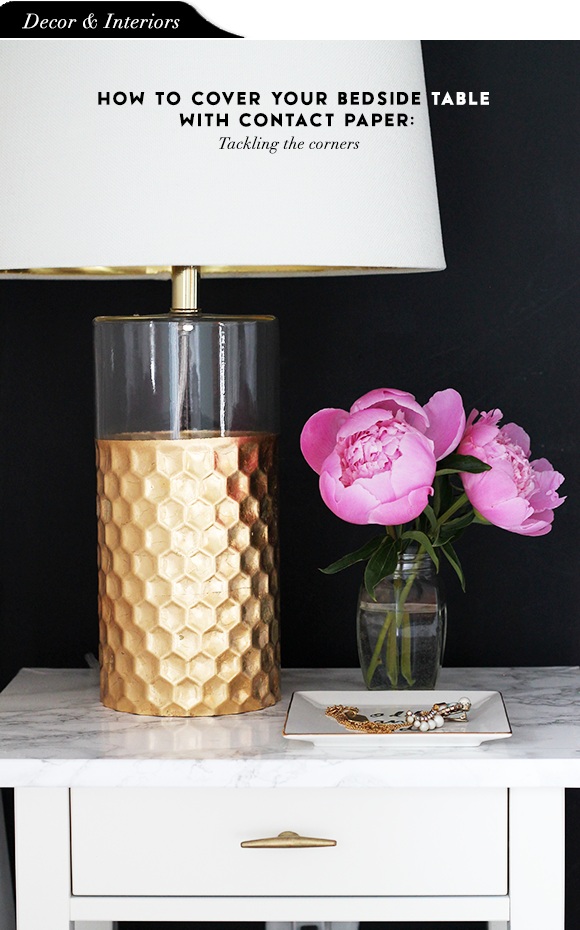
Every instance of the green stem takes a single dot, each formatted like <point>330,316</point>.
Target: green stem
<point>461,500</point>
<point>406,670</point>
<point>378,648</point>
<point>391,656</point>
<point>436,494</point>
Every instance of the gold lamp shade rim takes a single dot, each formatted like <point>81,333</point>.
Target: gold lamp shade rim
<point>220,271</point>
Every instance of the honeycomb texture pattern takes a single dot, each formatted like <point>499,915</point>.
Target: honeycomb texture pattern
<point>188,574</point>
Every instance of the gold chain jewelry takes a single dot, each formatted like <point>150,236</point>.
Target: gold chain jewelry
<point>422,720</point>
<point>347,717</point>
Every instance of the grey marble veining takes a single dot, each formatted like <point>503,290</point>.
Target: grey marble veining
<point>54,731</point>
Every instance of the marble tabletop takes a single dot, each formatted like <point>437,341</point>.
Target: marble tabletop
<point>55,732</point>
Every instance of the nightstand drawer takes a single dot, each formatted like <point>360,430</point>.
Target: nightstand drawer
<point>187,841</point>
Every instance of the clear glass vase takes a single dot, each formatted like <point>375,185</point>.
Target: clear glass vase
<point>401,634</point>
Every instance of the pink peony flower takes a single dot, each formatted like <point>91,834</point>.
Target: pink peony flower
<point>377,462</point>
<point>517,495</point>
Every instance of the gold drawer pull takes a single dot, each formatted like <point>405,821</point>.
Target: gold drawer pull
<point>287,840</point>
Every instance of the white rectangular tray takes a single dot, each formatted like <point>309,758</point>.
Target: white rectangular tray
<point>306,718</point>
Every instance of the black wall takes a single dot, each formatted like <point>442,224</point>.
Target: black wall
<point>500,325</point>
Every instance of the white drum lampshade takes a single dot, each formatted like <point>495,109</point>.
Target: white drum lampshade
<point>123,184</point>
<point>240,157</point>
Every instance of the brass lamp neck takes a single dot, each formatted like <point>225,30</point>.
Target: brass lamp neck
<point>184,282</point>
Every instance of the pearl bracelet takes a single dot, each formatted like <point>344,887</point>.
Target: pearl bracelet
<point>425,720</point>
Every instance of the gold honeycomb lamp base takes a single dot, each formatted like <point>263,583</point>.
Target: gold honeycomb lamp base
<point>188,574</point>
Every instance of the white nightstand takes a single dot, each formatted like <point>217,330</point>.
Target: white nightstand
<point>137,818</point>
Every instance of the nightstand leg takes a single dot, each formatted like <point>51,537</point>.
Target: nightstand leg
<point>536,860</point>
<point>7,916</point>
<point>42,822</point>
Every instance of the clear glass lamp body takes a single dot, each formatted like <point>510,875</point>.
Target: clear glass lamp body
<point>186,435</point>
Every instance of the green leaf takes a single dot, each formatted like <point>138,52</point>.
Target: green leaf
<point>451,556</point>
<point>454,528</point>
<point>424,541</point>
<point>451,538</point>
<point>381,564</point>
<point>467,463</point>
<point>430,514</point>
<point>443,497</point>
<point>360,555</point>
